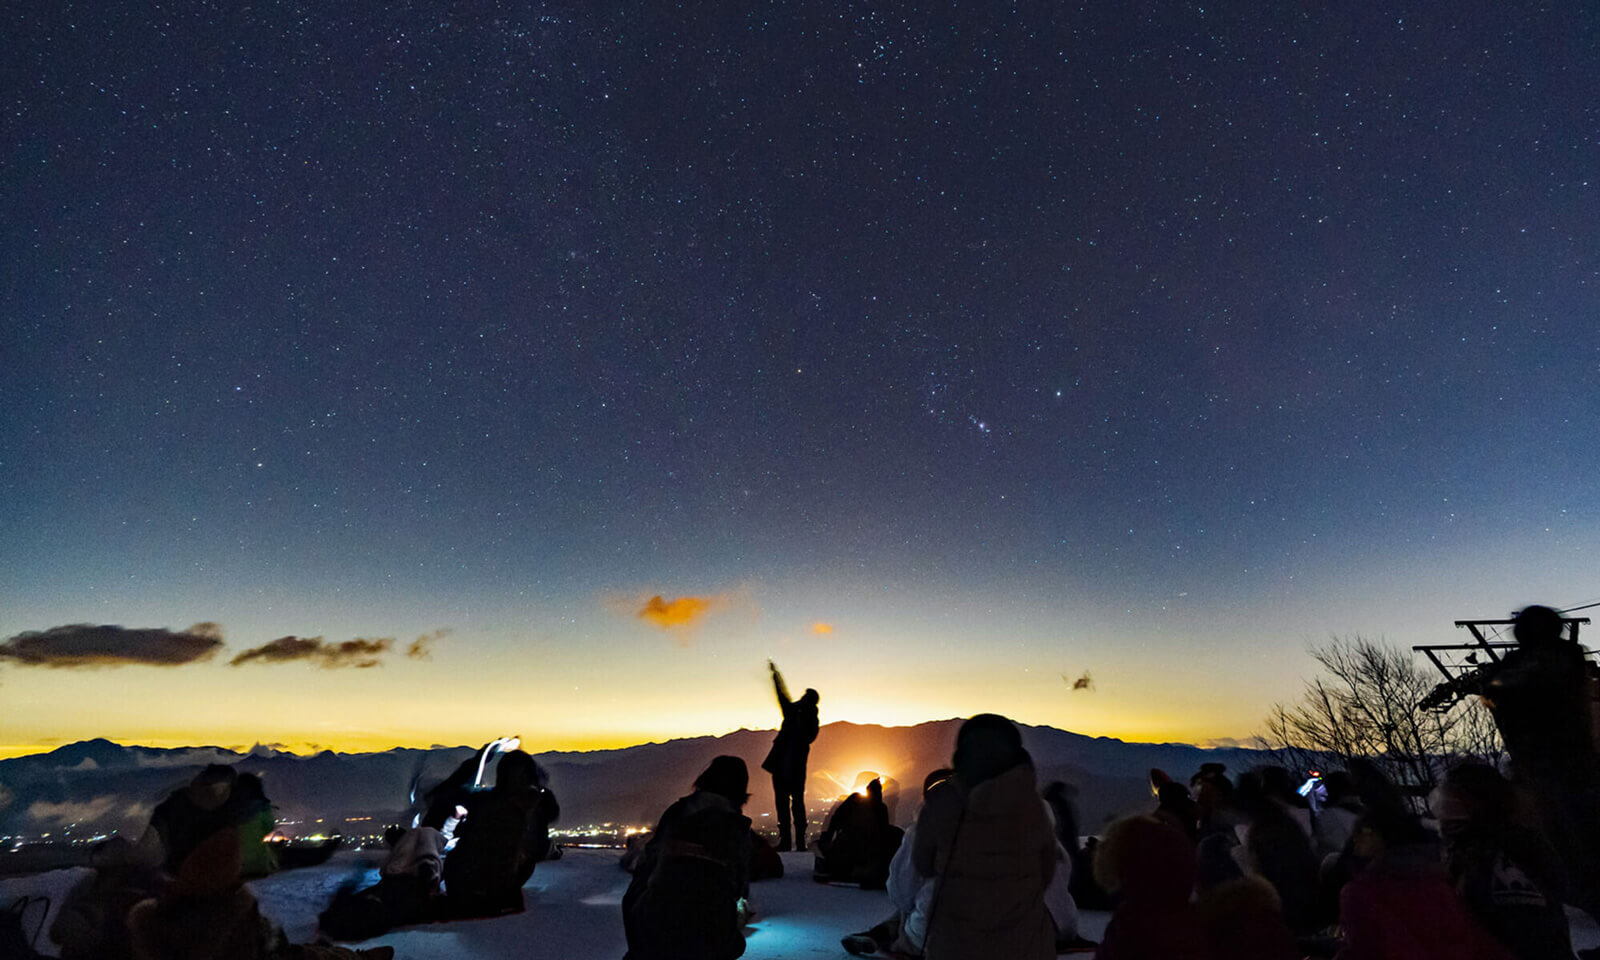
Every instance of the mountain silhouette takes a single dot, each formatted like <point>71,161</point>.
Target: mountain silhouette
<point>96,786</point>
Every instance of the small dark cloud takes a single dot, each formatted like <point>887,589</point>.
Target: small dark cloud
<point>422,647</point>
<point>360,653</point>
<point>87,645</point>
<point>280,650</point>
<point>1084,682</point>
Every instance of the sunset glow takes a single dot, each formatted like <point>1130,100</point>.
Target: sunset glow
<point>400,379</point>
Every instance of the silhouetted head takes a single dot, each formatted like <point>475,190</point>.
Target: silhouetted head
<point>1278,784</point>
<point>1381,798</point>
<point>875,790</point>
<point>1158,779</point>
<point>516,771</point>
<point>1339,785</point>
<point>810,697</point>
<point>1211,788</point>
<point>1146,861</point>
<point>1381,830</point>
<point>1536,626</point>
<point>247,788</point>
<point>1060,790</point>
<point>212,786</point>
<point>1476,792</point>
<point>986,746</point>
<point>726,777</point>
<point>1172,794</point>
<point>936,777</point>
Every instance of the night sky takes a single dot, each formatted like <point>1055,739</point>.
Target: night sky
<point>936,351</point>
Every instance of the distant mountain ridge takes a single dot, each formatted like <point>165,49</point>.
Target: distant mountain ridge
<point>96,786</point>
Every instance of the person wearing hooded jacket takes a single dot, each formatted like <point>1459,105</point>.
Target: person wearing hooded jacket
<point>1149,865</point>
<point>500,840</point>
<point>684,900</point>
<point>987,841</point>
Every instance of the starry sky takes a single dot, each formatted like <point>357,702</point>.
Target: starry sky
<point>545,368</point>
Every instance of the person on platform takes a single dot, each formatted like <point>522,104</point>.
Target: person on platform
<point>1539,696</point>
<point>786,761</point>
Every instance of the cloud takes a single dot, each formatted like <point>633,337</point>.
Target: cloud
<point>87,645</point>
<point>422,647</point>
<point>360,653</point>
<point>1231,743</point>
<point>70,812</point>
<point>186,757</point>
<point>677,612</point>
<point>821,629</point>
<point>1084,682</point>
<point>280,650</point>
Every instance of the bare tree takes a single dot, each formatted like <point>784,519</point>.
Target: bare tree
<point>1364,704</point>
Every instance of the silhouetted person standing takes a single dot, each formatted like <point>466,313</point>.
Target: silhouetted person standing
<point>1540,700</point>
<point>786,761</point>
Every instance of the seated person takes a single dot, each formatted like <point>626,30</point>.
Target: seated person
<point>685,901</point>
<point>909,891</point>
<point>1400,905</point>
<point>501,837</point>
<point>207,913</point>
<point>858,842</point>
<point>1149,866</point>
<point>188,816</point>
<point>1506,874</point>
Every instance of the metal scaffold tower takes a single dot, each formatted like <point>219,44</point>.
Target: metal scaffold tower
<point>1466,665</point>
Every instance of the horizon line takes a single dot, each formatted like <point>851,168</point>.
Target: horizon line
<point>23,751</point>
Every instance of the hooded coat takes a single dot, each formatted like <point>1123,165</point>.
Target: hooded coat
<point>1151,866</point>
<point>683,901</point>
<point>1401,907</point>
<point>991,850</point>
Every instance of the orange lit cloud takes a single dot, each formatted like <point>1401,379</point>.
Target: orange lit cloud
<point>677,612</point>
<point>821,629</point>
<point>87,645</point>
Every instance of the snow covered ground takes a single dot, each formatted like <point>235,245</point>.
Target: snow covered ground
<point>574,912</point>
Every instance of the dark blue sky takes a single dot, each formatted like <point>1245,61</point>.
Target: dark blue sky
<point>1030,333</point>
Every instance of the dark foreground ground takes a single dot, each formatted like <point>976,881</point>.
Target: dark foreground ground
<point>574,912</point>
